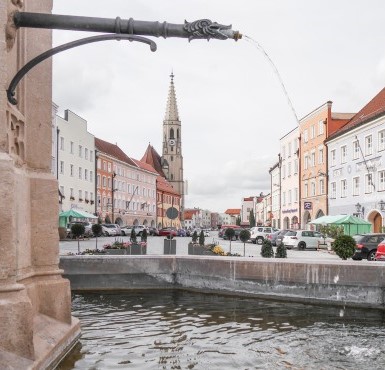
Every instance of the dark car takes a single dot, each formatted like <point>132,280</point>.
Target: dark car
<point>367,245</point>
<point>153,231</point>
<point>277,237</point>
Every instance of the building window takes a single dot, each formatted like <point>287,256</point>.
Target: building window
<point>381,180</point>
<point>295,166</point>
<point>86,195</point>
<point>289,169</point>
<point>98,180</point>
<point>283,152</point>
<point>313,159</point>
<point>289,197</point>
<point>305,138</point>
<point>99,164</point>
<point>356,149</point>
<point>296,195</point>
<point>91,176</point>
<point>381,140</point>
<point>109,167</point>
<point>61,167</point>
<point>104,166</point>
<point>85,174</point>
<point>80,195</point>
<point>72,147</point>
<point>306,161</point>
<point>61,143</point>
<point>344,153</point>
<point>80,151</point>
<point>312,132</point>
<point>104,182</point>
<point>306,191</point>
<point>289,150</point>
<point>283,171</point>
<point>320,155</point>
<point>343,188</point>
<point>320,127</point>
<point>321,186</point>
<point>80,173</point>
<point>356,186</point>
<point>333,157</point>
<point>62,190</point>
<point>109,182</point>
<point>284,198</point>
<point>72,192</point>
<point>85,153</point>
<point>333,190</point>
<point>91,155</point>
<point>312,188</point>
<point>368,145</point>
<point>368,183</point>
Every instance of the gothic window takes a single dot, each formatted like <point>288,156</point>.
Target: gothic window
<point>177,133</point>
<point>172,133</point>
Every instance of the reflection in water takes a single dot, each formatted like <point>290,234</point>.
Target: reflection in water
<point>185,330</point>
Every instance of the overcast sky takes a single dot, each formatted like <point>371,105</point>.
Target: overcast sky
<point>231,103</point>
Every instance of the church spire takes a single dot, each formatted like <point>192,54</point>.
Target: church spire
<point>172,108</point>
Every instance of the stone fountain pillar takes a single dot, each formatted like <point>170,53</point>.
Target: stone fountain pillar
<point>35,301</point>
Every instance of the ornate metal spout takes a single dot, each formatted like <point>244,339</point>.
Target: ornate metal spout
<point>116,29</point>
<point>200,29</point>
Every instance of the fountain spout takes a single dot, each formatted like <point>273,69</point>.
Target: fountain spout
<point>200,29</point>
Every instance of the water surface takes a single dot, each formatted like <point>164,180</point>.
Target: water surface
<point>184,330</point>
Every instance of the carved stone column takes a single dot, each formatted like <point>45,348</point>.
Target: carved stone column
<point>35,301</point>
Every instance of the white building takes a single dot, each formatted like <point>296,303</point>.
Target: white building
<point>289,182</point>
<point>356,165</point>
<point>76,163</point>
<point>275,178</point>
<point>248,205</point>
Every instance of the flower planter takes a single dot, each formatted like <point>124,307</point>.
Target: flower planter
<point>137,249</point>
<point>115,251</point>
<point>196,249</point>
<point>169,246</point>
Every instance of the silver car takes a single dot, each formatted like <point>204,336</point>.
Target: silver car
<point>302,239</point>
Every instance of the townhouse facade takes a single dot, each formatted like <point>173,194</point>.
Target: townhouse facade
<point>75,163</point>
<point>246,207</point>
<point>357,165</point>
<point>289,181</point>
<point>126,188</point>
<point>314,128</point>
<point>167,198</point>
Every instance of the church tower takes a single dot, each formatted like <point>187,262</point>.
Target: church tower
<point>172,159</point>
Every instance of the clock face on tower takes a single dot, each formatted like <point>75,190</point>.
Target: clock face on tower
<point>171,142</point>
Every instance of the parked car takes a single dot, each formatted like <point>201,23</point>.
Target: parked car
<point>277,237</point>
<point>166,231</point>
<point>139,229</point>
<point>206,232</point>
<point>222,230</point>
<point>109,229</point>
<point>126,230</point>
<point>380,254</point>
<point>259,233</point>
<point>153,231</point>
<point>367,245</point>
<point>303,239</point>
<point>182,232</point>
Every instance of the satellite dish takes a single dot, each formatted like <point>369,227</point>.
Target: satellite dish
<point>172,213</point>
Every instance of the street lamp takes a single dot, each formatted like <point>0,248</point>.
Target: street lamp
<point>112,196</point>
<point>382,205</point>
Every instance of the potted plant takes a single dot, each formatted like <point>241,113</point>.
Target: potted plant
<point>344,246</point>
<point>267,249</point>
<point>230,232</point>
<point>244,236</point>
<point>97,231</point>
<point>77,231</point>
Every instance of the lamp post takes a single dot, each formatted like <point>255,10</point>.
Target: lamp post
<point>112,196</point>
<point>382,205</point>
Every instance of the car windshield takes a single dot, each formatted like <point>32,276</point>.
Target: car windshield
<point>357,238</point>
<point>291,233</point>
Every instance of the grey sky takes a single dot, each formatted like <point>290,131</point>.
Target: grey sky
<point>231,104</point>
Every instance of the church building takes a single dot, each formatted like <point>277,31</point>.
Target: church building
<point>170,164</point>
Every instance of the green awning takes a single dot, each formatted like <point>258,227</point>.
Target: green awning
<point>75,214</point>
<point>352,225</point>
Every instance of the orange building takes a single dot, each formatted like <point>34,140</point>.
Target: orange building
<point>314,129</point>
<point>167,198</point>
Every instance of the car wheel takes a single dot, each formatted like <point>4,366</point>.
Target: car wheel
<point>371,255</point>
<point>260,240</point>
<point>123,233</point>
<point>302,245</point>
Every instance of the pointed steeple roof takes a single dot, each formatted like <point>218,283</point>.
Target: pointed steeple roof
<point>152,158</point>
<point>172,108</point>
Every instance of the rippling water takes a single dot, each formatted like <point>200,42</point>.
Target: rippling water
<point>185,330</point>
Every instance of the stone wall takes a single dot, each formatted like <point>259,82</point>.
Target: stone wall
<point>341,283</point>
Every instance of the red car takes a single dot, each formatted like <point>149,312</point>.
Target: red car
<point>166,231</point>
<point>380,254</point>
